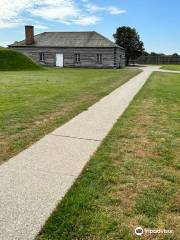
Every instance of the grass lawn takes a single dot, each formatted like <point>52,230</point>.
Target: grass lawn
<point>33,103</point>
<point>171,67</point>
<point>11,60</point>
<point>133,178</point>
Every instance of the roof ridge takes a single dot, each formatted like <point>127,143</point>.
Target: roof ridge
<point>70,32</point>
<point>74,39</point>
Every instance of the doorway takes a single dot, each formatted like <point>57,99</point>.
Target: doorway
<point>59,60</point>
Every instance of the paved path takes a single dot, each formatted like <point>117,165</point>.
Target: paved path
<point>167,71</point>
<point>33,182</point>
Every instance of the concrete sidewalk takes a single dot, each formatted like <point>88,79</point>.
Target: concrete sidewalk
<point>33,182</point>
<point>167,71</point>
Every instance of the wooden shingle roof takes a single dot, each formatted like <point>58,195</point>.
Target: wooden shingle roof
<point>68,39</point>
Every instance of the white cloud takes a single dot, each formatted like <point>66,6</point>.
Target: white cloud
<point>5,24</point>
<point>115,10</point>
<point>39,26</point>
<point>11,8</point>
<point>87,20</point>
<point>12,12</point>
<point>92,8</point>
<point>61,10</point>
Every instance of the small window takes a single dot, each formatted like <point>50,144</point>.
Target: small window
<point>77,58</point>
<point>99,58</point>
<point>41,57</point>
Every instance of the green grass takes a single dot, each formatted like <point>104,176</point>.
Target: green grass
<point>11,60</point>
<point>132,180</point>
<point>33,103</point>
<point>171,67</point>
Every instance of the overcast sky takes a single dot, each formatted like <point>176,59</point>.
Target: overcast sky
<point>157,21</point>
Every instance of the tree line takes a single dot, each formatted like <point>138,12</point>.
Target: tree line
<point>154,54</point>
<point>129,39</point>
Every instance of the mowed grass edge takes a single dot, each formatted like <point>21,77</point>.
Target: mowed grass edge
<point>172,67</point>
<point>34,103</point>
<point>132,180</point>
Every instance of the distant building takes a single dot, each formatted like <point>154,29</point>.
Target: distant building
<point>71,49</point>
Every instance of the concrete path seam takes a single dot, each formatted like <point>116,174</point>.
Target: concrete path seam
<point>86,139</point>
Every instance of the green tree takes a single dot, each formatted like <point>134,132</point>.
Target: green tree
<point>145,53</point>
<point>175,55</point>
<point>129,39</point>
